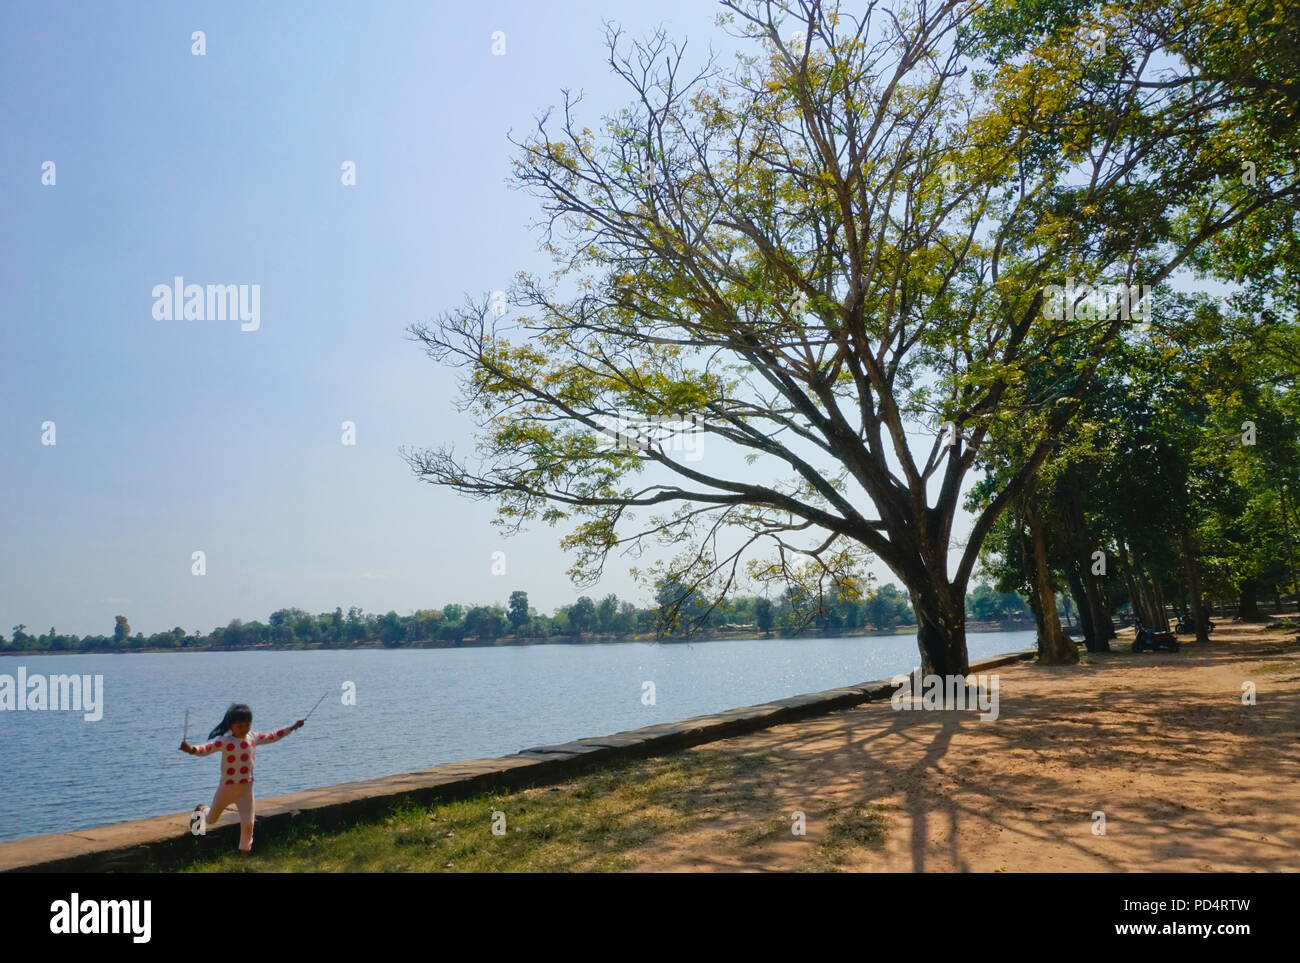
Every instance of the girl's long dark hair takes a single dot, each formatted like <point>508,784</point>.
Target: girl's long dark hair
<point>238,712</point>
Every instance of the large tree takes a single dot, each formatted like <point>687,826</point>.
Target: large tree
<point>832,258</point>
<point>517,611</point>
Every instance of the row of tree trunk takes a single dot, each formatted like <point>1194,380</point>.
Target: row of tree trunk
<point>1086,573</point>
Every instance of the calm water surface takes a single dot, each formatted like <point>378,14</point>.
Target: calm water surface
<point>415,708</point>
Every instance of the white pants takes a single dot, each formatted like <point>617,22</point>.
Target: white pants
<point>240,795</point>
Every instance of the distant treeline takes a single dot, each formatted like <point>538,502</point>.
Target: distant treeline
<point>609,619</point>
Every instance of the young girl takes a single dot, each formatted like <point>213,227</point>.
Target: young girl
<point>238,750</point>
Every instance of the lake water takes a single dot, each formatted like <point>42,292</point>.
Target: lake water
<point>415,708</point>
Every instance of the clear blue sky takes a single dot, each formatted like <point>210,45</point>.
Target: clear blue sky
<point>177,436</point>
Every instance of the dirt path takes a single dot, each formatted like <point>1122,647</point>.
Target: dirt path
<point>1189,778</point>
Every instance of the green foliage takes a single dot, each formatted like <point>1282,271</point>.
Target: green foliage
<point>841,248</point>
<point>517,611</point>
<point>986,604</point>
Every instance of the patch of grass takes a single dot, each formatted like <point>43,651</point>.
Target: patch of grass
<point>856,826</point>
<point>1273,667</point>
<point>849,830</point>
<point>756,833</point>
<point>589,824</point>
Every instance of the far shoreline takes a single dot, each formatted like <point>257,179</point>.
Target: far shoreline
<point>973,628</point>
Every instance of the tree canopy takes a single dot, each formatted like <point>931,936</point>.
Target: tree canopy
<point>839,257</point>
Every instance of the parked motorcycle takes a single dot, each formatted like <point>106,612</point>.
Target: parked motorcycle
<point>1186,626</point>
<point>1149,640</point>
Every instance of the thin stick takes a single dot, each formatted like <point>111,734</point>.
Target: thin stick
<point>314,708</point>
<point>185,736</point>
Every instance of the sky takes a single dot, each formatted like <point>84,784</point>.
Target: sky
<point>174,436</point>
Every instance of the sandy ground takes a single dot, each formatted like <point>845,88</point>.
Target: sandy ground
<point>1189,778</point>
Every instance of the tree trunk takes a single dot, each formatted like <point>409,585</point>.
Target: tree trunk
<point>1035,606</point>
<point>1146,594</point>
<point>1136,602</point>
<point>1100,607</point>
<point>1030,568</point>
<point>1159,621</point>
<point>1194,582</point>
<point>1084,605</point>
<point>1286,534</point>
<point>1130,580</point>
<point>941,630</point>
<point>1101,620</point>
<point>1161,608</point>
<point>1139,595</point>
<point>1054,646</point>
<point>1248,606</point>
<point>1081,547</point>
